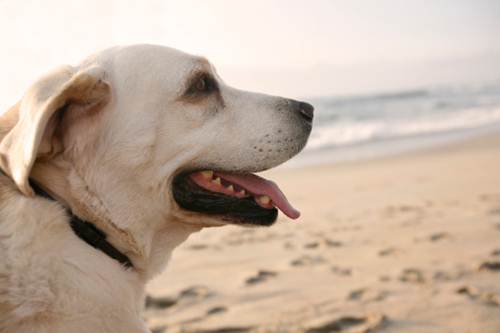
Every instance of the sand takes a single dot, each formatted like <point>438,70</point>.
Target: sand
<point>399,244</point>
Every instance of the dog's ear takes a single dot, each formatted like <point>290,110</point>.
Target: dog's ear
<point>40,112</point>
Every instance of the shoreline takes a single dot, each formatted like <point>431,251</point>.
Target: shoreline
<point>387,148</point>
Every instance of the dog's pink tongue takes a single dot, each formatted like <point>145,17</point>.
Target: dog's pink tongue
<point>261,186</point>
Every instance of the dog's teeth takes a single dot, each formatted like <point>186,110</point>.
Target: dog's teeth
<point>264,199</point>
<point>242,193</point>
<point>230,188</point>
<point>207,174</point>
<point>216,181</point>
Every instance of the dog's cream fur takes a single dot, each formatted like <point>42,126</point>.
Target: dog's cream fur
<point>105,139</point>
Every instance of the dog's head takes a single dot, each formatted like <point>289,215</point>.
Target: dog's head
<point>150,132</point>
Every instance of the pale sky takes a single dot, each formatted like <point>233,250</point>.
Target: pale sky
<point>294,48</point>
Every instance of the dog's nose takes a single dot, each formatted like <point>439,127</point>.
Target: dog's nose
<point>306,111</point>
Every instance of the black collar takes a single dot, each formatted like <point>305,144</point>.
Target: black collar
<point>88,232</point>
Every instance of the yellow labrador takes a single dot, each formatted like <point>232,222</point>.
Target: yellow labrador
<point>108,166</point>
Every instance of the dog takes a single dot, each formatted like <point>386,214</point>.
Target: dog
<point>109,165</point>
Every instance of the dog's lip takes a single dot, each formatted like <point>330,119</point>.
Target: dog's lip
<point>267,194</point>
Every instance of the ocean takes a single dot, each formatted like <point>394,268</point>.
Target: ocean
<point>365,126</point>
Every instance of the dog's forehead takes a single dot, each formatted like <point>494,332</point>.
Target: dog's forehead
<point>158,59</point>
<point>149,65</point>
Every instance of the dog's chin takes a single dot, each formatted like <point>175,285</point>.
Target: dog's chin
<point>225,207</point>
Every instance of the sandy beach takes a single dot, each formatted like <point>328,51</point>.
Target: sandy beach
<point>409,243</point>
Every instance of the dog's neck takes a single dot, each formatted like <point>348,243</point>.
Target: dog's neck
<point>148,248</point>
<point>148,240</point>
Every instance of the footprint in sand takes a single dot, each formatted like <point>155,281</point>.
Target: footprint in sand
<point>312,245</point>
<point>198,247</point>
<point>324,242</point>
<point>308,260</point>
<point>441,275</point>
<point>215,310</point>
<point>221,329</point>
<point>196,293</point>
<point>158,303</point>
<point>489,266</point>
<point>366,295</point>
<point>260,277</point>
<point>160,329</point>
<point>391,211</point>
<point>332,243</point>
<point>495,252</point>
<point>438,236</point>
<point>435,237</point>
<point>359,324</point>
<point>475,294</point>
<point>384,278</point>
<point>494,211</point>
<point>388,251</point>
<point>412,275</point>
<point>191,294</point>
<point>492,197</point>
<point>341,271</point>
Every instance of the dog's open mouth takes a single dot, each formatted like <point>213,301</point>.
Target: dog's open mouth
<point>234,197</point>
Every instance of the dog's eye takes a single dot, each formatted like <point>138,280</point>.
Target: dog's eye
<point>203,85</point>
